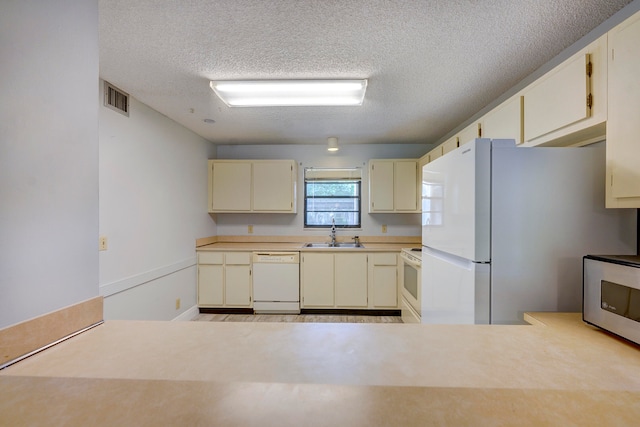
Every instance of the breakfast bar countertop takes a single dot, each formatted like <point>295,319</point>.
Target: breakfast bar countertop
<point>556,371</point>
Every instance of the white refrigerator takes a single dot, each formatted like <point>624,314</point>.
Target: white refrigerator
<point>504,230</point>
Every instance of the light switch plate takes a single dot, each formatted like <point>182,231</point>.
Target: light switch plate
<point>102,243</point>
<point>250,229</point>
<point>384,228</point>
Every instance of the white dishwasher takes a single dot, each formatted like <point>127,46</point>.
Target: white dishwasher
<point>276,282</point>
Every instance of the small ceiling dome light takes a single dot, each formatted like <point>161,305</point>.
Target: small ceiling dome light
<point>332,144</point>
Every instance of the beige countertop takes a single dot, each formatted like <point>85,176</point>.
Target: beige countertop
<point>300,247</point>
<point>558,371</point>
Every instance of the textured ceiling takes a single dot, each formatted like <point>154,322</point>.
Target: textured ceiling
<point>431,64</point>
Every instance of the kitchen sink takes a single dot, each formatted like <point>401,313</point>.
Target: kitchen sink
<point>337,245</point>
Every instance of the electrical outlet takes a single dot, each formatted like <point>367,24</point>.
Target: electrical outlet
<point>250,229</point>
<point>177,303</point>
<point>102,243</point>
<point>384,228</point>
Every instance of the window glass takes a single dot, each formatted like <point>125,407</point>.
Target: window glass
<point>328,199</point>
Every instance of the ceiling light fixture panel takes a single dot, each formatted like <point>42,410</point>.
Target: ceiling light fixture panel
<point>290,93</point>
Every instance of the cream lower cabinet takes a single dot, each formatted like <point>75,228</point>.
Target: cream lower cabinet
<point>224,279</point>
<point>623,126</point>
<point>334,280</point>
<point>355,280</point>
<point>317,280</point>
<point>351,280</point>
<point>383,280</point>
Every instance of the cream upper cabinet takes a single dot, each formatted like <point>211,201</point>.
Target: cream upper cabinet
<point>450,145</point>
<point>469,133</point>
<point>465,135</point>
<point>230,186</point>
<point>505,121</point>
<point>252,186</point>
<point>351,280</point>
<point>393,186</point>
<point>405,183</point>
<point>623,126</point>
<point>381,186</point>
<point>436,153</point>
<point>568,104</point>
<point>274,186</point>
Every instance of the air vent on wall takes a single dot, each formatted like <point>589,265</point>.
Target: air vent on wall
<point>116,99</point>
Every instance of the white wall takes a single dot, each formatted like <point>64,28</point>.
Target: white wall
<point>153,206</point>
<point>318,156</point>
<point>48,156</point>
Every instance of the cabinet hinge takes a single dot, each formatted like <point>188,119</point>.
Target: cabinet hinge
<point>589,68</point>
<point>589,101</point>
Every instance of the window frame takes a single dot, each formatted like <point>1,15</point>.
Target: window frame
<point>351,179</point>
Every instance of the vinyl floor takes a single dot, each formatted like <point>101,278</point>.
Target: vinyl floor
<point>306,318</point>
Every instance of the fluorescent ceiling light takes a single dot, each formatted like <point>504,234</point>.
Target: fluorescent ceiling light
<point>290,93</point>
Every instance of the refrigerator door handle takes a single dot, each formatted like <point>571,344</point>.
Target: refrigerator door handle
<point>450,258</point>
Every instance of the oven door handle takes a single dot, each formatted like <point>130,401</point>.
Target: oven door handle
<point>410,262</point>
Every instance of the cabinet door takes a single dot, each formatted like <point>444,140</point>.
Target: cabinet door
<point>381,186</point>
<point>558,99</point>
<point>450,145</point>
<point>351,280</point>
<point>623,127</point>
<point>210,285</point>
<point>436,153</point>
<point>317,280</point>
<point>230,186</point>
<point>384,280</point>
<point>274,186</point>
<point>385,286</point>
<point>406,185</point>
<point>469,133</point>
<point>505,121</point>
<point>237,285</point>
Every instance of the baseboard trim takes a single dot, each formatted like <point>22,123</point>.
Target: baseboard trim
<point>127,283</point>
<point>224,310</point>
<point>336,311</point>
<point>187,315</point>
<point>350,312</point>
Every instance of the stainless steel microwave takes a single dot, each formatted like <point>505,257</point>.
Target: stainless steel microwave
<point>611,294</point>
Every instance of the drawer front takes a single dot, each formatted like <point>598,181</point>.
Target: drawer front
<point>237,258</point>
<point>210,257</point>
<point>385,259</point>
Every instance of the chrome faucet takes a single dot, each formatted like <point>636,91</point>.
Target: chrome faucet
<point>333,232</point>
